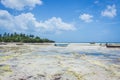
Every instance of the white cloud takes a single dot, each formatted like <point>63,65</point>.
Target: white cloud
<point>55,23</point>
<point>110,11</point>
<point>86,17</point>
<point>27,22</point>
<point>21,4</point>
<point>6,19</point>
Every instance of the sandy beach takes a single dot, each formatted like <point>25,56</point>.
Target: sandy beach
<point>49,62</point>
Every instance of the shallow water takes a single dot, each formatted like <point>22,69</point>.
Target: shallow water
<point>49,62</point>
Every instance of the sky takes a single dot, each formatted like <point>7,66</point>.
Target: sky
<point>63,20</point>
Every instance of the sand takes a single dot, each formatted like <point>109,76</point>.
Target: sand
<point>48,62</point>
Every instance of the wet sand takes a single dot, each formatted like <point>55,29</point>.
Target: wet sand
<point>48,62</point>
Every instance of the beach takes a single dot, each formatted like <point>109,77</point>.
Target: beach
<point>49,62</point>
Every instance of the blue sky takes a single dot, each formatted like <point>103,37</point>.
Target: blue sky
<point>63,20</point>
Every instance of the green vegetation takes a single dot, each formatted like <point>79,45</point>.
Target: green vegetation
<point>15,37</point>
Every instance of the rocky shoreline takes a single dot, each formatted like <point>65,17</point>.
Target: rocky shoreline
<point>49,62</point>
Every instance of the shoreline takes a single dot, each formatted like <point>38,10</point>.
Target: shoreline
<point>108,45</point>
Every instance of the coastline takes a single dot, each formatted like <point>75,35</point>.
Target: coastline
<point>108,45</point>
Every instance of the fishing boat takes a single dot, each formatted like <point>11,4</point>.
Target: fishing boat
<point>112,45</point>
<point>61,44</point>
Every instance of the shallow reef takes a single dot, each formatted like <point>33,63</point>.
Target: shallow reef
<point>48,62</point>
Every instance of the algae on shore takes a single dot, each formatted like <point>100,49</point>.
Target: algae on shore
<point>48,62</point>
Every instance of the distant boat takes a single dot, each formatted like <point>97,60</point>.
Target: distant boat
<point>61,44</point>
<point>113,45</point>
<point>3,43</point>
<point>19,44</point>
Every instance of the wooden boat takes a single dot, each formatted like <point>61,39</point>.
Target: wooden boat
<point>3,43</point>
<point>19,44</point>
<point>61,44</point>
<point>112,45</point>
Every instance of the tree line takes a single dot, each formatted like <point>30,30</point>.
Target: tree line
<point>15,37</point>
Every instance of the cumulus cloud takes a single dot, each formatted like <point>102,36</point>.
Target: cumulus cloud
<point>110,11</point>
<point>55,24</point>
<point>86,17</point>
<point>27,22</point>
<point>21,4</point>
<point>6,19</point>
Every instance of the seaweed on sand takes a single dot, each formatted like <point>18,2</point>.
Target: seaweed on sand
<point>4,69</point>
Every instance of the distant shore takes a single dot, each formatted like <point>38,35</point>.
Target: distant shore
<point>108,45</point>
